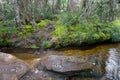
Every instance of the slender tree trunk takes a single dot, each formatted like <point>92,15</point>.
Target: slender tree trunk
<point>17,15</point>
<point>72,3</point>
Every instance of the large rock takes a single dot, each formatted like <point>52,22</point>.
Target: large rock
<point>6,57</point>
<point>56,67</point>
<point>11,67</point>
<point>37,72</point>
<point>65,63</point>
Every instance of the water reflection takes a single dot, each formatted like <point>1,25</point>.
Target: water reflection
<point>113,65</point>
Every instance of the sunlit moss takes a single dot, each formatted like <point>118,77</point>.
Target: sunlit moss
<point>28,28</point>
<point>116,22</point>
<point>34,46</point>
<point>60,31</point>
<point>43,23</point>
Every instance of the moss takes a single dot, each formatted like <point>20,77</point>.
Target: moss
<point>116,22</point>
<point>60,31</point>
<point>28,28</point>
<point>34,46</point>
<point>43,23</point>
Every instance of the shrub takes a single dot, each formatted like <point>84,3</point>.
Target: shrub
<point>6,32</point>
<point>82,33</point>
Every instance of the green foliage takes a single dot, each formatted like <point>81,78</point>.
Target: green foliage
<point>116,22</point>
<point>28,28</point>
<point>7,23</point>
<point>47,44</point>
<point>60,31</point>
<point>6,33</point>
<point>68,18</point>
<point>89,33</point>
<point>43,23</point>
<point>34,46</point>
<point>7,13</point>
<point>115,34</point>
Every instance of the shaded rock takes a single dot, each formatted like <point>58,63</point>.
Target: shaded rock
<point>35,75</point>
<point>10,65</point>
<point>43,75</point>
<point>77,78</point>
<point>65,64</point>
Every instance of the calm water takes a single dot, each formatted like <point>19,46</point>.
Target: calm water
<point>105,57</point>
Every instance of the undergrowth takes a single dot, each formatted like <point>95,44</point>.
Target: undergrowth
<point>6,32</point>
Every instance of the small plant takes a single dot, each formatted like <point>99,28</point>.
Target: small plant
<point>43,23</point>
<point>28,28</point>
<point>47,44</point>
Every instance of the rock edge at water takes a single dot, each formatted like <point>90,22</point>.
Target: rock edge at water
<point>11,68</point>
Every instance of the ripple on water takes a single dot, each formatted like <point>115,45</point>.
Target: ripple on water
<point>113,64</point>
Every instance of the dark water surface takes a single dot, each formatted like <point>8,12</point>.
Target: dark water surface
<point>106,57</point>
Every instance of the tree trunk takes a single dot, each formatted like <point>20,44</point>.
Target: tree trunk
<point>17,15</point>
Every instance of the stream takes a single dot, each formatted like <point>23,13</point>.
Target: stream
<point>105,57</point>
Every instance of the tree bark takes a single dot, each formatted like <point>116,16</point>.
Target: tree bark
<point>17,15</point>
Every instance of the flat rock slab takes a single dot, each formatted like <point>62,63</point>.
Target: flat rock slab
<point>64,64</point>
<point>11,66</point>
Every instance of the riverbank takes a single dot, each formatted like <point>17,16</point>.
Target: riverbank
<point>53,34</point>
